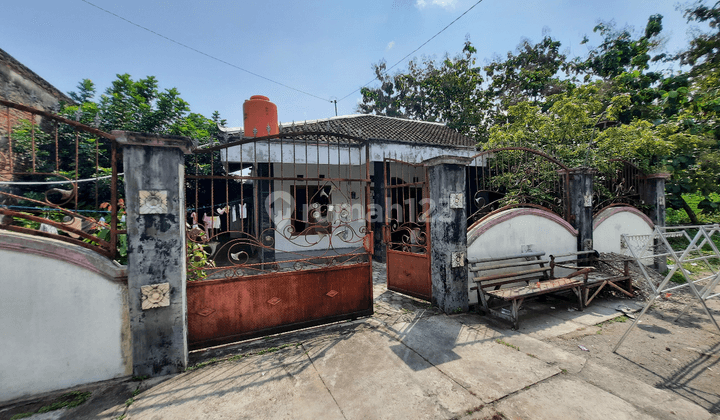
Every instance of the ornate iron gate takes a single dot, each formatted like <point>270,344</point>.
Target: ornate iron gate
<point>620,183</point>
<point>59,179</point>
<point>516,177</point>
<point>278,235</point>
<point>407,228</point>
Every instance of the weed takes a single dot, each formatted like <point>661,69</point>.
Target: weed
<point>21,416</point>
<point>69,400</point>
<point>621,318</point>
<point>505,343</point>
<point>122,417</point>
<point>203,364</point>
<point>532,355</point>
<point>136,392</point>
<point>458,310</point>
<point>129,402</point>
<point>564,371</point>
<point>405,310</point>
<point>139,378</point>
<point>268,350</point>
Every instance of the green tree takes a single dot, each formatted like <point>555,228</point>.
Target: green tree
<point>449,91</point>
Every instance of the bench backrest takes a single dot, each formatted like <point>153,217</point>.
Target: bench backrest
<point>495,272</point>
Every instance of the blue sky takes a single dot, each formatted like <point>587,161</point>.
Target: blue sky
<point>322,47</point>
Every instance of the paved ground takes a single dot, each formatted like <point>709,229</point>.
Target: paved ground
<point>407,361</point>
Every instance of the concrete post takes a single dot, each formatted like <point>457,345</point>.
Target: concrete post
<point>378,198</point>
<point>580,206</point>
<point>653,195</point>
<point>448,233</point>
<point>155,205</point>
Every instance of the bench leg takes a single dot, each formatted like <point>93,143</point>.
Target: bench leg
<point>483,300</point>
<point>516,313</point>
<point>580,292</point>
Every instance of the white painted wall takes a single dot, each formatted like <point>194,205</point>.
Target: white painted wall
<point>61,324</point>
<point>512,231</point>
<point>610,223</point>
<point>302,152</point>
<point>341,198</point>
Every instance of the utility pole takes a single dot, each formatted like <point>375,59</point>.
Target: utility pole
<point>335,102</point>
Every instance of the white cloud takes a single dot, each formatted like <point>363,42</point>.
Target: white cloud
<point>390,45</point>
<point>447,4</point>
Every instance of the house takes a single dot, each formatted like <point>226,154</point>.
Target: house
<point>319,168</point>
<point>21,85</point>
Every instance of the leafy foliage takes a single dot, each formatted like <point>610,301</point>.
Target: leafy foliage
<point>615,102</point>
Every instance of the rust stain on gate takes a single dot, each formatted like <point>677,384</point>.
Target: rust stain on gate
<point>407,229</point>
<point>227,310</point>
<point>278,234</point>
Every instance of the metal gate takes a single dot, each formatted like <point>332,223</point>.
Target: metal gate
<point>278,235</point>
<point>59,179</point>
<point>406,232</point>
<point>509,177</point>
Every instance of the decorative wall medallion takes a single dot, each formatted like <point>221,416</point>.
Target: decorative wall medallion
<point>458,259</point>
<point>153,202</point>
<point>587,200</point>
<point>274,301</point>
<point>332,293</point>
<point>661,200</point>
<point>206,311</point>
<point>155,295</point>
<point>457,201</point>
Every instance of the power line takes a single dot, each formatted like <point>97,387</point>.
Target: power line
<point>205,54</point>
<point>415,50</point>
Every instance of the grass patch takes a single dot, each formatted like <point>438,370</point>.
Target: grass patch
<point>506,344</point>
<point>621,318</point>
<point>679,217</point>
<point>203,364</point>
<point>564,371</point>
<point>129,402</point>
<point>237,357</point>
<point>69,400</point>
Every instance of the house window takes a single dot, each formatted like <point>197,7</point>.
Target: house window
<point>310,216</point>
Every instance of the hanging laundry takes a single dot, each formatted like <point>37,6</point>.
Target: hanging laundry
<point>207,222</point>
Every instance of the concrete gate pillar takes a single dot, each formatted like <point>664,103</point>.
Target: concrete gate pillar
<point>580,205</point>
<point>155,206</point>
<point>653,195</point>
<point>448,233</point>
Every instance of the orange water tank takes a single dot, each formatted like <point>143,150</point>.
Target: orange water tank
<point>259,114</point>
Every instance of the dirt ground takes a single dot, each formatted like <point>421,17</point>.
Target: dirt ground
<point>683,356</point>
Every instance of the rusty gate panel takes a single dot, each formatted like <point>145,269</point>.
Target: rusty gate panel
<point>409,274</point>
<point>407,228</point>
<point>227,310</point>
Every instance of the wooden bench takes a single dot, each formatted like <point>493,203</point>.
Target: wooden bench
<point>538,281</point>
<point>620,280</point>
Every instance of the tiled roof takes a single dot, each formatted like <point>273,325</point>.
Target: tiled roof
<point>376,127</point>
